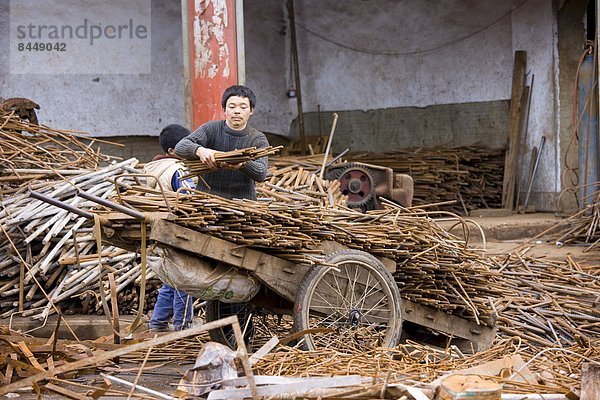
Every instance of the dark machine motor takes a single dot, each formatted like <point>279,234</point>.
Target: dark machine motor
<point>364,184</point>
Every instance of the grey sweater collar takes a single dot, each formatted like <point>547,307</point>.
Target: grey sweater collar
<point>233,132</point>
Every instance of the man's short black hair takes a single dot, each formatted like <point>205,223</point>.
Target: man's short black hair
<point>171,135</point>
<point>241,91</point>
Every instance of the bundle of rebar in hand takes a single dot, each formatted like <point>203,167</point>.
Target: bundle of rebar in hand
<point>226,159</point>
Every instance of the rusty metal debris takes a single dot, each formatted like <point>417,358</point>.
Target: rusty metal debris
<point>296,179</point>
<point>434,267</point>
<point>546,311</point>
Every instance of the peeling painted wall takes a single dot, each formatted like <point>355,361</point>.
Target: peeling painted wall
<point>213,55</point>
<point>210,63</point>
<point>109,105</point>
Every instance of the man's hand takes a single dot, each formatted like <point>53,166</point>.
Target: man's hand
<point>234,166</point>
<point>207,156</point>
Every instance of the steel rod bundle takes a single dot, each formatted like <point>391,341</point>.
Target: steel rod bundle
<point>228,158</point>
<point>470,176</point>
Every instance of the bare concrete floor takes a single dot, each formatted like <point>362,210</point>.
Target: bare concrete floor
<point>520,232</point>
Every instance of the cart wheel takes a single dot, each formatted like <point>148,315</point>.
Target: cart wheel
<point>216,310</point>
<point>359,302</point>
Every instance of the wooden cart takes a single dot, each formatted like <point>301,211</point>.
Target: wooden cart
<point>351,299</point>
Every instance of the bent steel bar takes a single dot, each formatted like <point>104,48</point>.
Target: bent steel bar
<point>115,206</point>
<point>60,204</point>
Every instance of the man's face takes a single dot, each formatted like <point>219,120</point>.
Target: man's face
<point>237,112</point>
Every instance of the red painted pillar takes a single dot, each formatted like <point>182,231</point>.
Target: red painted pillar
<point>213,58</point>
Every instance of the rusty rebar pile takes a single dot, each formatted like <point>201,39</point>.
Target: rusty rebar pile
<point>311,163</point>
<point>417,364</point>
<point>31,152</point>
<point>296,179</point>
<point>547,303</point>
<point>580,228</point>
<point>471,176</point>
<point>435,268</point>
<point>548,313</point>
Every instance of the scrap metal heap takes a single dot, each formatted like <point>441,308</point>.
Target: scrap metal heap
<point>51,252</point>
<point>547,312</point>
<point>460,178</point>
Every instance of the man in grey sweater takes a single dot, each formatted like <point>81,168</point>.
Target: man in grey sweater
<point>236,181</point>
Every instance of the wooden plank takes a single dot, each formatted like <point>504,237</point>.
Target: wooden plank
<point>21,286</point>
<point>514,130</point>
<point>115,310</point>
<point>42,345</point>
<point>481,336</point>
<point>9,370</point>
<point>524,102</point>
<point>242,355</point>
<point>140,388</point>
<point>105,356</point>
<point>494,368</point>
<point>264,350</point>
<point>590,382</point>
<point>282,276</point>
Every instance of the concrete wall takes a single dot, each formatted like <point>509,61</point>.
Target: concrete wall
<point>109,105</point>
<point>387,129</point>
<point>266,66</point>
<point>475,69</point>
<point>398,58</point>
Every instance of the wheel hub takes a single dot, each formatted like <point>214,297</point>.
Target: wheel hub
<point>354,317</point>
